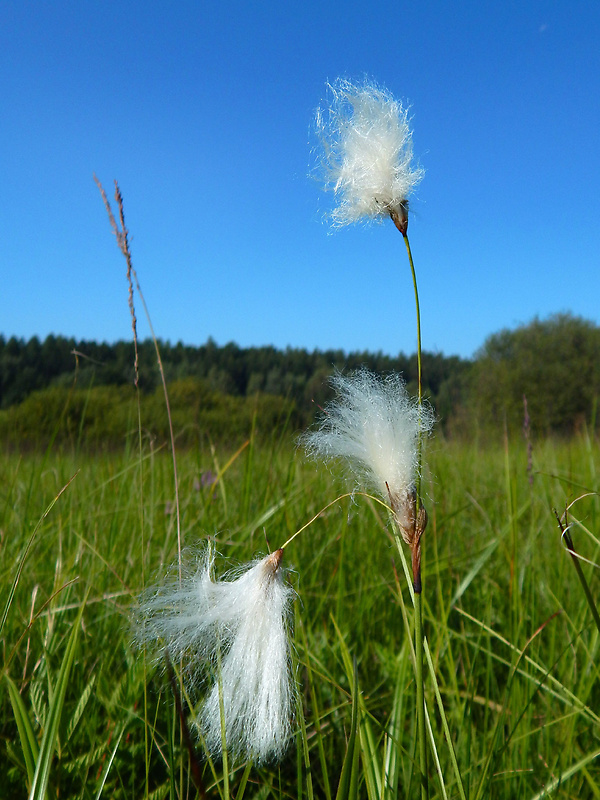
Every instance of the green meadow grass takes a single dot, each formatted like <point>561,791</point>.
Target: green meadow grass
<point>511,639</point>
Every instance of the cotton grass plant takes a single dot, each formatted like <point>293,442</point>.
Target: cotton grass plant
<point>374,427</point>
<point>365,153</point>
<point>366,159</point>
<point>234,632</point>
<point>238,628</point>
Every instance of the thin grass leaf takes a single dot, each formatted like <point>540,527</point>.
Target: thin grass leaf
<point>25,553</point>
<point>370,757</point>
<point>244,781</point>
<point>566,535</point>
<point>299,626</point>
<point>573,770</point>
<point>391,759</point>
<point>109,763</point>
<point>435,754</point>
<point>593,785</point>
<point>348,785</point>
<point>434,681</point>
<point>265,516</point>
<point>172,726</point>
<point>445,726</point>
<point>80,707</point>
<point>474,571</point>
<point>303,743</point>
<point>50,737</point>
<point>29,745</point>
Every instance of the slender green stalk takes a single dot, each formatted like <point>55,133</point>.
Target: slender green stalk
<point>420,696</point>
<point>419,367</point>
<point>417,577</point>
<point>418,310</point>
<point>444,721</point>
<point>566,535</point>
<point>223,737</point>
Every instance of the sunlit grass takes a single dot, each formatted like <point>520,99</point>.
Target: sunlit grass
<point>512,640</point>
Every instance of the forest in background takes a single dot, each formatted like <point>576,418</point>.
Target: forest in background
<point>68,390</point>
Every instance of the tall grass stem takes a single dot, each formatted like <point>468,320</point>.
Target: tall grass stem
<point>420,695</point>
<point>568,539</point>
<point>122,236</point>
<point>418,578</point>
<point>418,312</point>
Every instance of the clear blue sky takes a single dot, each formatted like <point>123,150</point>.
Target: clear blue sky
<point>202,111</point>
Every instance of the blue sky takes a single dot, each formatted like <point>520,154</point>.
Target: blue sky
<point>202,111</point>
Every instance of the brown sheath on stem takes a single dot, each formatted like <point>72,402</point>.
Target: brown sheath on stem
<point>399,216</point>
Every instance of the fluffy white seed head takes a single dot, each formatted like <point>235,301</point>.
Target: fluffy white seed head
<point>235,629</point>
<point>373,427</point>
<point>366,152</point>
<point>255,672</point>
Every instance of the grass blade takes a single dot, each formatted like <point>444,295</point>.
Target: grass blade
<point>44,761</point>
<point>108,764</point>
<point>391,761</point>
<point>370,758</point>
<point>25,553</point>
<point>348,785</point>
<point>29,745</point>
<point>573,769</point>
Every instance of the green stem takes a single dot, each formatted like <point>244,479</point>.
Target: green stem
<point>399,217</point>
<point>582,579</point>
<point>420,696</point>
<point>421,732</point>
<point>414,277</point>
<point>419,369</point>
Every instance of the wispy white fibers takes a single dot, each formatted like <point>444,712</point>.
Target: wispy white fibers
<point>239,627</point>
<point>373,426</point>
<point>366,152</point>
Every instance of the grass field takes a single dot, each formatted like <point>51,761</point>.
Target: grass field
<point>512,640</point>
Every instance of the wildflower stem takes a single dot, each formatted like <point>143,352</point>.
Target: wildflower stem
<point>420,693</point>
<point>414,277</point>
<point>568,540</point>
<point>417,580</point>
<point>401,222</point>
<point>333,502</point>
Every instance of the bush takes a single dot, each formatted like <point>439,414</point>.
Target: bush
<point>554,363</point>
<point>105,416</point>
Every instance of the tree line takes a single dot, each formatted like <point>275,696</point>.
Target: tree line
<point>552,365</point>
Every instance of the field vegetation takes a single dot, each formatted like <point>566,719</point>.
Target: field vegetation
<point>511,639</point>
<point>81,391</point>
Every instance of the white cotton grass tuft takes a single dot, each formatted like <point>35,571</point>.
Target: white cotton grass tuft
<point>366,152</point>
<point>238,627</point>
<point>373,426</point>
